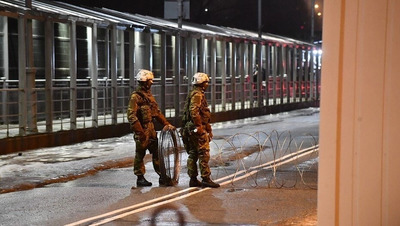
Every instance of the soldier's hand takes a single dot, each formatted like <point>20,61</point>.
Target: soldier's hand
<point>210,135</point>
<point>199,130</point>
<point>169,127</point>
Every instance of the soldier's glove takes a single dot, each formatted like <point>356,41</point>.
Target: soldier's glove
<point>210,135</point>
<point>199,130</point>
<point>169,127</point>
<point>208,128</point>
<point>209,131</point>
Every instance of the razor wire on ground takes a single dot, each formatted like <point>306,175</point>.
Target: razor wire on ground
<point>273,160</point>
<point>169,151</point>
<point>278,160</point>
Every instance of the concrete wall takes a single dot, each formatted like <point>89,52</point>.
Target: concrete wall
<point>359,182</point>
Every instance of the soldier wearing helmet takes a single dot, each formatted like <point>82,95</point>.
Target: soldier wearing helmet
<point>196,132</point>
<point>142,109</point>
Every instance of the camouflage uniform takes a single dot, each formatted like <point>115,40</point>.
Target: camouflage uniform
<point>197,114</point>
<point>143,108</point>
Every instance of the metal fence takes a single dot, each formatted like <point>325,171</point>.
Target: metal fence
<point>89,112</point>
<point>64,73</point>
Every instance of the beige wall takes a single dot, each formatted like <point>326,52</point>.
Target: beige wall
<point>359,171</point>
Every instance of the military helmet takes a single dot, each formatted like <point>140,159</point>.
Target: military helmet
<point>199,78</point>
<point>144,75</point>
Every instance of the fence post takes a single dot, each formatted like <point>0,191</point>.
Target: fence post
<point>242,73</point>
<point>213,73</point>
<point>177,80</point>
<point>94,76</point>
<point>22,114</point>
<point>223,75</point>
<point>163,71</point>
<point>114,69</point>
<point>233,74</point>
<point>49,73</point>
<point>4,94</point>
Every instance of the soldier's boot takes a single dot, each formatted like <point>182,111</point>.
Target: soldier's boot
<point>142,182</point>
<point>165,182</point>
<point>207,182</point>
<point>194,182</point>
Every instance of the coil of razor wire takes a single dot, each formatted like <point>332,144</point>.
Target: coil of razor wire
<point>169,152</point>
<point>268,154</point>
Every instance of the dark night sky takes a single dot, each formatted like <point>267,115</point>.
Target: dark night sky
<point>290,18</point>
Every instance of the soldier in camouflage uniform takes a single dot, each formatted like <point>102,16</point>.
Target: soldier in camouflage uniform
<point>197,133</point>
<point>142,109</point>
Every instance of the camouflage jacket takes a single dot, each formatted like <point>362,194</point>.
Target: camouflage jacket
<point>143,108</point>
<point>196,111</point>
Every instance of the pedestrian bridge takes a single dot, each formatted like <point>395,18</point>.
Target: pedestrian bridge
<point>66,72</point>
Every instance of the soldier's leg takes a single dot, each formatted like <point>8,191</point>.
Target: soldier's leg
<point>204,155</point>
<point>164,180</point>
<point>190,145</point>
<point>192,168</point>
<point>204,158</point>
<point>138,164</point>
<point>153,149</point>
<point>192,158</point>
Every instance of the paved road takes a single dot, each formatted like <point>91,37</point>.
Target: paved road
<point>281,195</point>
<point>254,200</point>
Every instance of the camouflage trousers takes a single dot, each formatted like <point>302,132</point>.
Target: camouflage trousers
<point>198,149</point>
<point>138,163</point>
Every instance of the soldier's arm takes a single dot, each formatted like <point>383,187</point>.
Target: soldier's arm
<point>161,119</point>
<point>208,128</point>
<point>132,114</point>
<point>194,108</point>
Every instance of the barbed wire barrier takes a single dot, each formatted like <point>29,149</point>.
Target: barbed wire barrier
<point>273,160</point>
<point>169,152</point>
<point>265,157</point>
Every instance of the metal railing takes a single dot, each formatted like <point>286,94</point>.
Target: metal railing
<point>53,113</point>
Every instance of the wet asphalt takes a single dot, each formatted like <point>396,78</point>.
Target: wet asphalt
<point>283,196</point>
